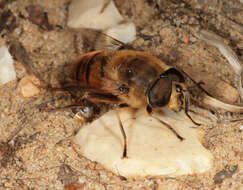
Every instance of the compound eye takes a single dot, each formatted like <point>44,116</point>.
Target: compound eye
<point>160,93</point>
<point>178,88</point>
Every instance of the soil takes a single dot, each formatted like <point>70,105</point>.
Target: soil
<point>36,151</point>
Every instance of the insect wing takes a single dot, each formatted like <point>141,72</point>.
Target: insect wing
<point>97,40</point>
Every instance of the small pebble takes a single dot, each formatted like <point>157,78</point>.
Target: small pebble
<point>29,86</point>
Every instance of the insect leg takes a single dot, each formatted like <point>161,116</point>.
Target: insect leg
<point>149,111</point>
<point>124,155</point>
<point>101,98</point>
<point>70,89</point>
<point>108,98</point>
<point>62,108</point>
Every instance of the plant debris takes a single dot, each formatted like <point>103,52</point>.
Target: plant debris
<point>227,172</point>
<point>19,53</point>
<point>39,16</point>
<point>7,21</point>
<point>214,40</point>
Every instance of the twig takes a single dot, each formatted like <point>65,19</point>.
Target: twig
<point>214,40</point>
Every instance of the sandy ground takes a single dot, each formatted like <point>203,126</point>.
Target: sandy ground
<point>35,149</point>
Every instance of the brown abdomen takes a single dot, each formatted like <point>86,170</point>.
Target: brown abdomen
<point>88,69</point>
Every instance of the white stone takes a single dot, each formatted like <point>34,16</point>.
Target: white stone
<point>153,150</point>
<point>87,14</point>
<point>123,32</point>
<point>7,72</point>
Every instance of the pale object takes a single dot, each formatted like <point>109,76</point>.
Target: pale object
<point>7,72</point>
<point>29,86</point>
<point>123,32</point>
<point>153,150</point>
<point>94,14</point>
<point>215,40</point>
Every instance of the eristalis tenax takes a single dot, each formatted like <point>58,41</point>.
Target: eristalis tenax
<point>125,77</point>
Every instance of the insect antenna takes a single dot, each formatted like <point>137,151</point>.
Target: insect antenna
<point>186,108</point>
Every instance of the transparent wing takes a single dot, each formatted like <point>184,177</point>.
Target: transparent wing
<point>97,40</point>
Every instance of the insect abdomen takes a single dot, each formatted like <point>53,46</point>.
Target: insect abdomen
<point>88,69</point>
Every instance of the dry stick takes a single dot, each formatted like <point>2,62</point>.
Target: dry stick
<point>214,40</point>
<point>209,100</point>
<point>105,5</point>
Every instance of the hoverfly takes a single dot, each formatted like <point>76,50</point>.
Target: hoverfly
<point>132,78</point>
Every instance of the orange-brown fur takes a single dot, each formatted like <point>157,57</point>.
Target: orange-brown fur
<point>110,82</point>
